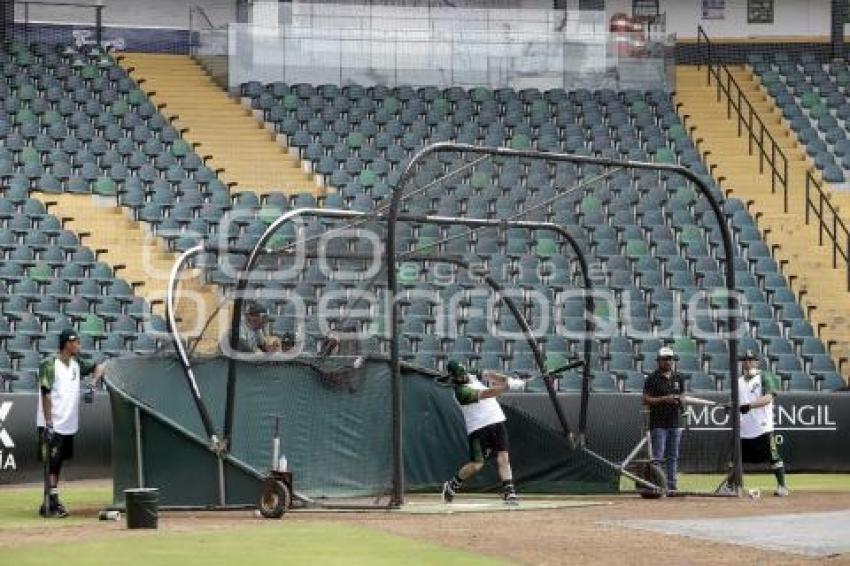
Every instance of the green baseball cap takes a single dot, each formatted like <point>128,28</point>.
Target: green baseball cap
<point>454,368</point>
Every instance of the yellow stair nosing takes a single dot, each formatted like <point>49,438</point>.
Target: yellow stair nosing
<point>225,129</point>
<point>826,287</point>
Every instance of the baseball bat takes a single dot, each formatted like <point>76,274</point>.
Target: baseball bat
<point>45,498</point>
<point>572,365</point>
<point>688,400</point>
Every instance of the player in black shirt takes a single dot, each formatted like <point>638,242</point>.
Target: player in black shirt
<point>662,393</point>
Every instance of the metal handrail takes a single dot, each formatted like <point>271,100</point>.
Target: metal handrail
<point>206,24</point>
<point>98,13</point>
<point>201,12</point>
<point>829,223</point>
<point>74,4</point>
<point>747,117</point>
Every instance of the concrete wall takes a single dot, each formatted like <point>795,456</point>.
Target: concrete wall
<point>800,18</point>
<point>135,13</point>
<point>791,18</point>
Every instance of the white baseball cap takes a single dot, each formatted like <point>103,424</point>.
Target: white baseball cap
<point>667,352</point>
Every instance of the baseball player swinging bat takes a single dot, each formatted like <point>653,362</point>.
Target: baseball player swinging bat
<point>519,383</point>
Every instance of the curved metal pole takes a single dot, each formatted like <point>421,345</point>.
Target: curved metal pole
<point>589,305</point>
<point>170,309</point>
<point>605,162</point>
<point>242,280</point>
<point>522,321</point>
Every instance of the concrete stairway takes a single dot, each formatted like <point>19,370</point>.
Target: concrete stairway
<point>223,130</point>
<point>147,263</point>
<point>781,131</point>
<point>808,266</point>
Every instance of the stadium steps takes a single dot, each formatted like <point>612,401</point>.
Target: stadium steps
<point>127,243</point>
<point>221,127</point>
<point>781,131</point>
<point>807,265</point>
<point>798,162</point>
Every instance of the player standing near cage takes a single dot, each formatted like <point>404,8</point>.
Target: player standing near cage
<point>58,413</point>
<point>662,393</point>
<point>252,336</point>
<point>485,428</point>
<point>756,392</point>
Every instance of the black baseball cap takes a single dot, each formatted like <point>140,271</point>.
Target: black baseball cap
<point>67,335</point>
<point>256,308</point>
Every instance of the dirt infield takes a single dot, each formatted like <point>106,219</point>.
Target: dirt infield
<point>577,535</point>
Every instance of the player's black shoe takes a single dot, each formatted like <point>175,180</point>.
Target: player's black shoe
<point>510,498</point>
<point>59,511</point>
<point>448,493</point>
<point>54,511</point>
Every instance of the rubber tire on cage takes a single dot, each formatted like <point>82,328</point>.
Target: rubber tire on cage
<point>275,499</point>
<point>654,475</point>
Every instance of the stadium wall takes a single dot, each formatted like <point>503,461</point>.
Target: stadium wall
<point>172,14</point>
<point>814,427</point>
<point>792,18</point>
<point>162,26</point>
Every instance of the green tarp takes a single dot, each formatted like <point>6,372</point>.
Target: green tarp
<point>336,434</point>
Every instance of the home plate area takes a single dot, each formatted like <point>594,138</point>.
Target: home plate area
<point>809,534</point>
<point>490,505</point>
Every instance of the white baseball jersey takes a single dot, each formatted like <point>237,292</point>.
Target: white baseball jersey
<point>64,385</point>
<point>477,413</point>
<point>760,420</point>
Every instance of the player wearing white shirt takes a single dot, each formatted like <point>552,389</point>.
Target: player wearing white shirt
<point>756,391</point>
<point>58,414</point>
<point>485,428</point>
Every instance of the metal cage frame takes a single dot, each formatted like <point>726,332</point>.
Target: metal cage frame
<point>221,444</point>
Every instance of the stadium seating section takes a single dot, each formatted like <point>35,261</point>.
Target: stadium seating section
<point>77,123</point>
<point>61,130</point>
<point>813,98</point>
<point>656,245</point>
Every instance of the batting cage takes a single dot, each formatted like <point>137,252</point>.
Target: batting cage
<point>566,270</point>
<point>608,261</point>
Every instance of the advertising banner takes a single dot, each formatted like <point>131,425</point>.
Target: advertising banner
<point>812,430</point>
<point>18,440</point>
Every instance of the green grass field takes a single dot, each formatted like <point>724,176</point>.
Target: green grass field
<point>296,541</point>
<point>764,482</point>
<point>18,505</point>
<point>288,542</point>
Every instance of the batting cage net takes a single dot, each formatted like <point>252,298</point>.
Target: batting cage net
<point>505,259</point>
<point>305,303</point>
<point>608,262</point>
